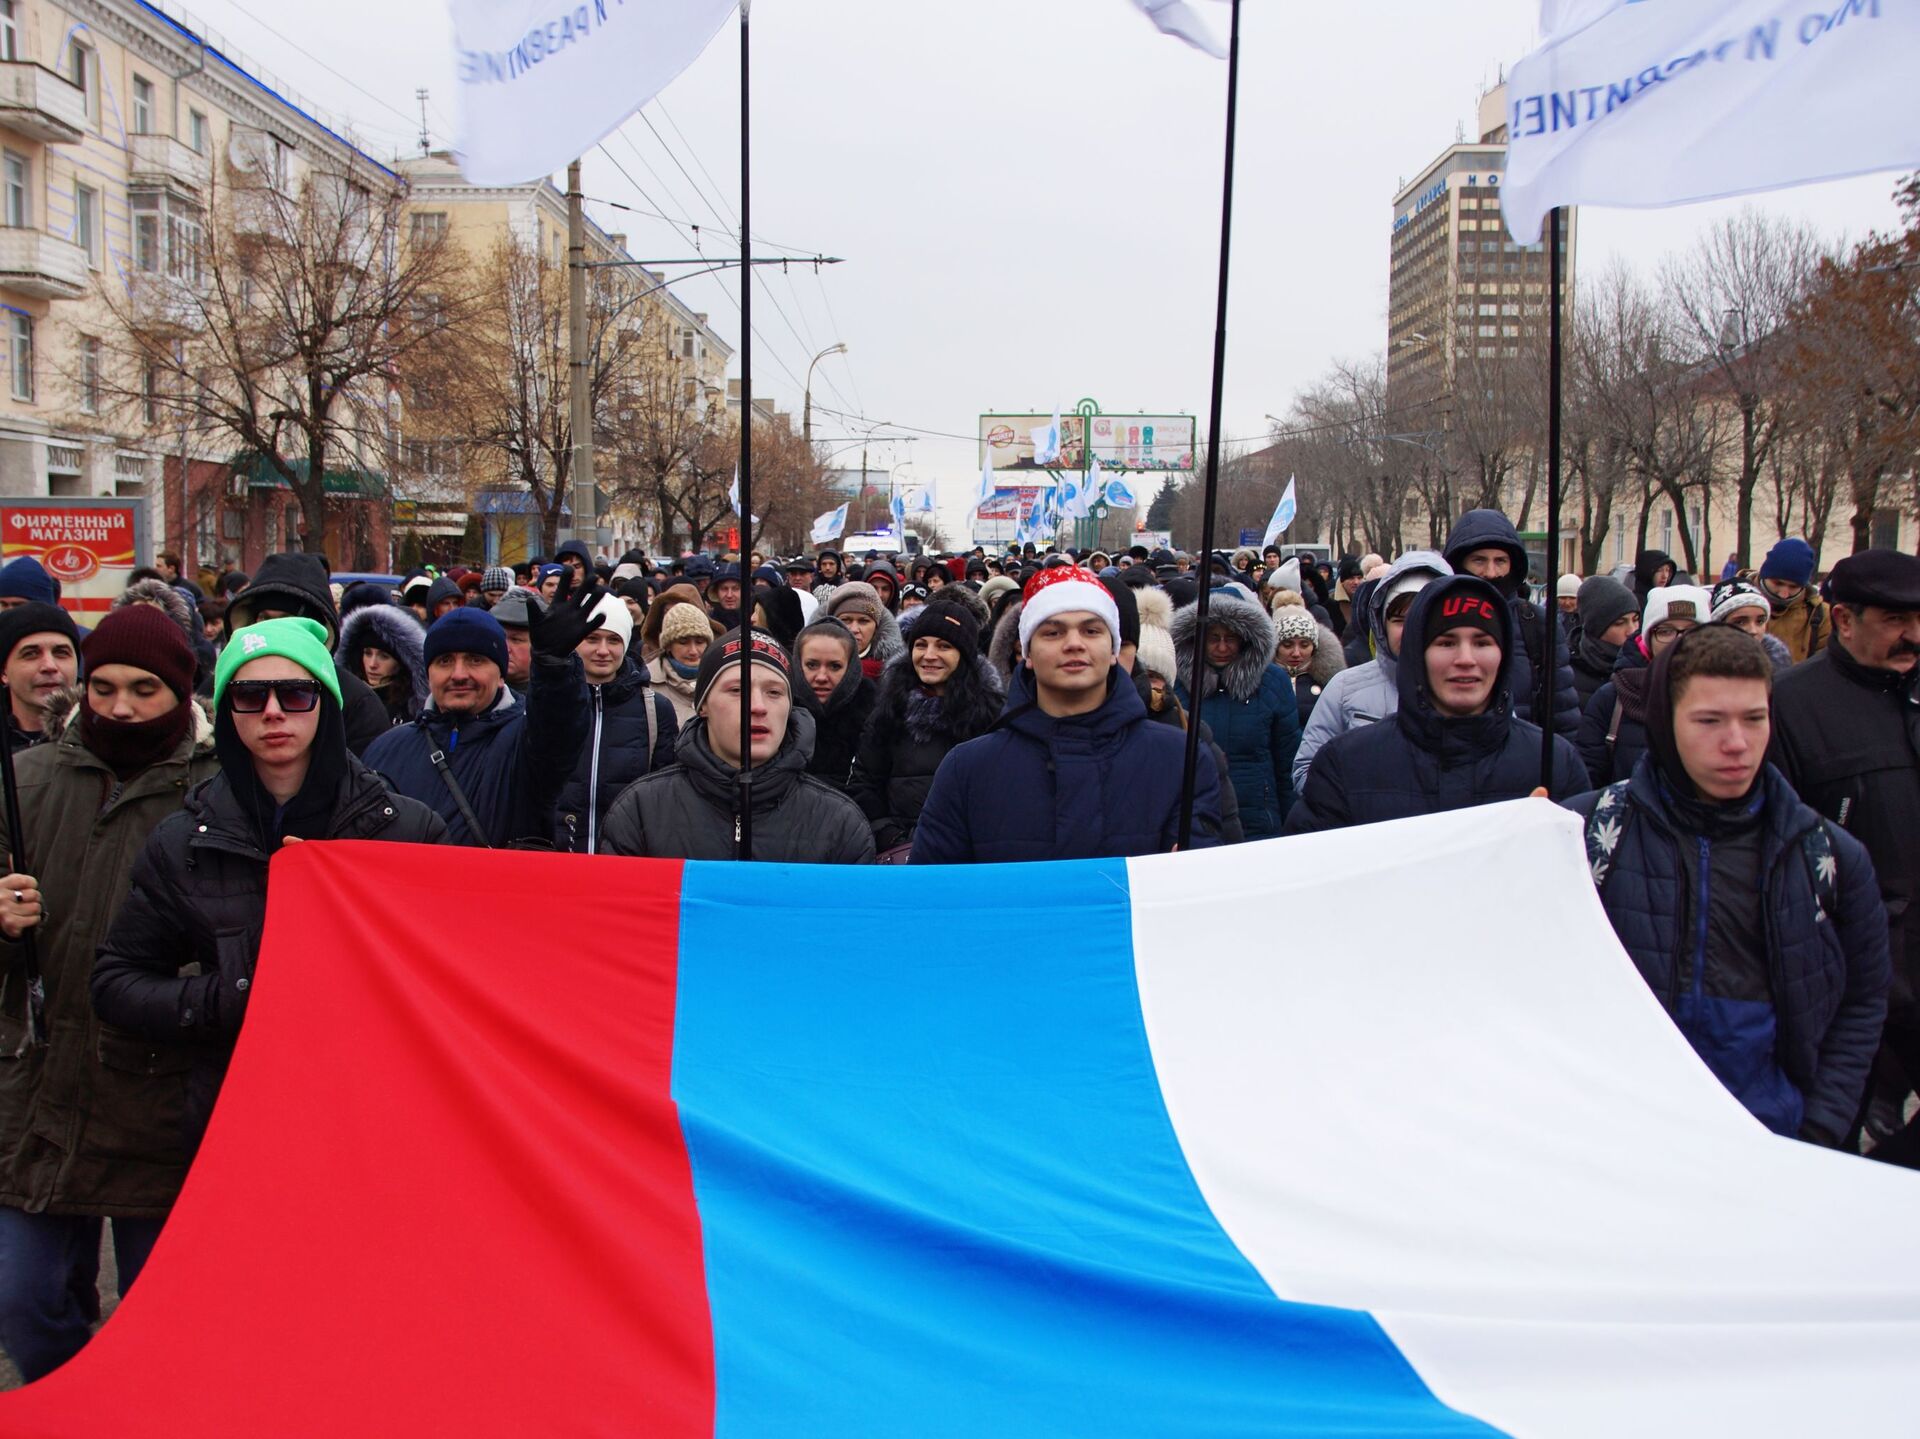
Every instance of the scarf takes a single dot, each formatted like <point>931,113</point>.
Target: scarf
<point>130,746</point>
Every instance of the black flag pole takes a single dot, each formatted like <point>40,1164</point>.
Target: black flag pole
<point>1543,682</point>
<point>743,819</point>
<point>1194,696</point>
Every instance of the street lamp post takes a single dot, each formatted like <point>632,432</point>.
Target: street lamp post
<point>806,409</point>
<point>1733,345</point>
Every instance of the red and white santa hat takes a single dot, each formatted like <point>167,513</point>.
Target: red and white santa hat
<point>1062,590</point>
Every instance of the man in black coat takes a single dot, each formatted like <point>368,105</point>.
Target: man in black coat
<point>1485,543</point>
<point>1847,736</point>
<point>1454,741</point>
<point>297,584</point>
<point>1757,925</point>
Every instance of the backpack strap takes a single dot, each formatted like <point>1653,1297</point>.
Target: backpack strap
<point>653,725</point>
<point>1613,725</point>
<point>1606,823</point>
<point>1817,845</point>
<point>438,759</point>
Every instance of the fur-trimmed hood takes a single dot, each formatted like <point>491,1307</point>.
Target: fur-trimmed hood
<point>63,712</point>
<point>964,712</point>
<point>398,633</point>
<point>1003,650</point>
<point>1243,618</point>
<point>158,592</point>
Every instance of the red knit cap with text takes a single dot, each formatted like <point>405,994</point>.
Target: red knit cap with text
<point>147,638</point>
<point>1066,589</point>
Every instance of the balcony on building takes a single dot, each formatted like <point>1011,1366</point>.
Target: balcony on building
<point>33,262</point>
<point>161,160</point>
<point>39,104</point>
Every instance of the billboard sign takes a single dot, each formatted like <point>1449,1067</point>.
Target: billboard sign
<point>90,546</point>
<point>1158,443</point>
<point>1007,440</point>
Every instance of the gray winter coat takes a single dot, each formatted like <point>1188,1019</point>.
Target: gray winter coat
<point>687,810</point>
<point>1367,693</point>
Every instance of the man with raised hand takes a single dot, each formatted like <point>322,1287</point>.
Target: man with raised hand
<point>1074,769</point>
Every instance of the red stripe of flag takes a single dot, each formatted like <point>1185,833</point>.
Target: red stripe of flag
<point>445,1190</point>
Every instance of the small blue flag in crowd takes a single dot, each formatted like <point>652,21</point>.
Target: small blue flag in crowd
<point>829,527</point>
<point>1282,515</point>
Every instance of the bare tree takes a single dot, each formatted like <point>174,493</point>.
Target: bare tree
<point>280,316</point>
<point>1732,296</point>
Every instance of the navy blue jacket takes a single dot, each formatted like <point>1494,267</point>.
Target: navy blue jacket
<point>1086,787</point>
<point>614,756</point>
<point>1420,762</point>
<point>1489,529</point>
<point>510,761</point>
<point>1810,1010</point>
<point>1605,762</point>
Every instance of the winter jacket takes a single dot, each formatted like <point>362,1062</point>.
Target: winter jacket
<point>1783,1001</point>
<point>396,631</point>
<point>616,753</point>
<point>676,689</point>
<point>198,896</point>
<point>1848,740</point>
<point>838,724</point>
<point>91,1123</point>
<point>688,811</point>
<point>297,583</point>
<point>1607,761</point>
<point>907,735</point>
<point>1252,711</point>
<point>1593,663</point>
<point>1083,787</point>
<point>1803,624</point>
<point>1231,831</point>
<point>1421,762</point>
<point>1368,692</point>
<point>510,761</point>
<point>1489,529</point>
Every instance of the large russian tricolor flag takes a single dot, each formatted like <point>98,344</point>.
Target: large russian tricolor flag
<point>1374,1133</point>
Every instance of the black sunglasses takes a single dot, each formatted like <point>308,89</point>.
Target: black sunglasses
<point>249,697</point>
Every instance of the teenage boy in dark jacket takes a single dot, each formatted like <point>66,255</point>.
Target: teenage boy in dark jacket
<point>1485,543</point>
<point>1454,741</point>
<point>1074,769</point>
<point>1757,925</point>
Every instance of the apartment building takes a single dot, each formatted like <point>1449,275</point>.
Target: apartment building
<point>117,124</point>
<point>432,482</point>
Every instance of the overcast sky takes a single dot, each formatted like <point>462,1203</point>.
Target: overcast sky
<point>1026,192</point>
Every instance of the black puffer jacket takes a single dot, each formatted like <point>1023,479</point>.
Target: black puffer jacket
<point>1848,739</point>
<point>1421,762</point>
<point>199,896</point>
<point>838,724</point>
<point>908,735</point>
<point>687,811</point>
<point>616,754</point>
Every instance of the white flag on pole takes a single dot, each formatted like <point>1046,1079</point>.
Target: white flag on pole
<point>897,507</point>
<point>1282,515</point>
<point>829,527</point>
<point>1637,104</point>
<point>920,501</point>
<point>1182,21</point>
<point>541,85</point>
<point>1120,495</point>
<point>989,486</point>
<point>733,495</point>
<point>1046,441</point>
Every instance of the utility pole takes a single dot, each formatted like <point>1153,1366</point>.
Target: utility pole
<point>580,400</point>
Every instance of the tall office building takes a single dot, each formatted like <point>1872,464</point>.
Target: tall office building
<point>1461,289</point>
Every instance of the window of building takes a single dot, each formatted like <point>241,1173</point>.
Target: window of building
<point>90,375</point>
<point>9,31</point>
<point>142,105</point>
<point>168,234</point>
<point>206,537</point>
<point>279,158</point>
<point>197,131</point>
<point>150,395</point>
<point>427,227</point>
<point>19,207</point>
<point>686,344</point>
<point>1486,332</point>
<point>20,353</point>
<point>86,222</point>
<point>1666,531</point>
<point>83,69</point>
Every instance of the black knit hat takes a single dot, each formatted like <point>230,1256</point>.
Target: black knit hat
<point>34,618</point>
<point>952,622</point>
<point>762,648</point>
<point>1128,606</point>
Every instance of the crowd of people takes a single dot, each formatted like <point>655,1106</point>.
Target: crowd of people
<point>1744,758</point>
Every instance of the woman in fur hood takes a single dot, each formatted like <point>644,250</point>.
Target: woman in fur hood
<point>1249,704</point>
<point>386,646</point>
<point>1308,651</point>
<point>875,630</point>
<point>940,694</point>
